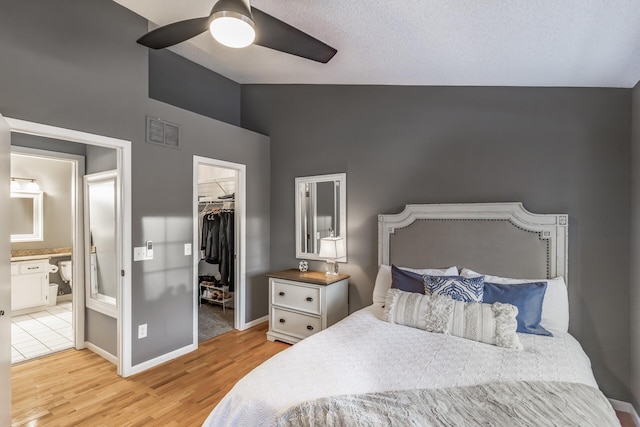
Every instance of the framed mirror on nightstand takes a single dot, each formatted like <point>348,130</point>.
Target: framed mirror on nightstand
<point>321,211</point>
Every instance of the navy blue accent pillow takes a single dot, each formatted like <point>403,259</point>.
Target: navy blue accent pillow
<point>406,280</point>
<point>527,297</point>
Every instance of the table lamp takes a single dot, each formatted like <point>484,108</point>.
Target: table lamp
<point>331,249</point>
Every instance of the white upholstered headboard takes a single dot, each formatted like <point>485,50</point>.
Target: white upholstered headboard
<point>502,239</point>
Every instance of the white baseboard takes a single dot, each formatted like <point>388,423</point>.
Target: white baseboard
<point>65,297</point>
<point>102,353</point>
<point>136,369</point>
<point>255,322</point>
<point>627,407</point>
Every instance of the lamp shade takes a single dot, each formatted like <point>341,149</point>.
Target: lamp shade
<point>332,248</point>
<point>232,24</point>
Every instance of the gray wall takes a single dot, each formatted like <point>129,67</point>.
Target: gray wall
<point>634,284</point>
<point>557,150</point>
<point>100,330</point>
<point>180,82</point>
<point>100,159</point>
<point>48,144</point>
<point>62,66</point>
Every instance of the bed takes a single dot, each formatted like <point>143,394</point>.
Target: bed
<point>371,371</point>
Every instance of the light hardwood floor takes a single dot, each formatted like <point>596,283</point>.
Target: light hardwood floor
<point>79,388</point>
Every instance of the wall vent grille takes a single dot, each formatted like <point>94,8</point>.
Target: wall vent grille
<point>161,132</point>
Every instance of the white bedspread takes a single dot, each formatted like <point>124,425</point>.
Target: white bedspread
<point>364,354</point>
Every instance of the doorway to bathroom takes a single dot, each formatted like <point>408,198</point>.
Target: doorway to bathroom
<point>105,332</point>
<point>43,216</point>
<point>219,200</point>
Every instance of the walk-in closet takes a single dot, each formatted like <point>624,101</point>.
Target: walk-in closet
<point>216,266</point>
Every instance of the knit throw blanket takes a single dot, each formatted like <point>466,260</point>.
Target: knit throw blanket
<point>525,403</point>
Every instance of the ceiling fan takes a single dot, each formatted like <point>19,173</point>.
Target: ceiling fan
<point>235,23</point>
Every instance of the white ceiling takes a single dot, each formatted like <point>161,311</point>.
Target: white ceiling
<point>591,43</point>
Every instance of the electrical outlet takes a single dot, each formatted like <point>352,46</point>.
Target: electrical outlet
<point>187,249</point>
<point>142,331</point>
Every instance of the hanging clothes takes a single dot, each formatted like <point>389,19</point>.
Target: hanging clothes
<point>217,243</point>
<point>209,240</point>
<point>226,248</point>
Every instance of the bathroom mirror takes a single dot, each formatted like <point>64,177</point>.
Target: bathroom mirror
<point>26,214</point>
<point>100,198</point>
<point>321,209</point>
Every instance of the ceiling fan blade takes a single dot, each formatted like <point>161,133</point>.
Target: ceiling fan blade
<point>275,34</point>
<point>171,34</point>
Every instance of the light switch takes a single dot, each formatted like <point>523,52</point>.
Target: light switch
<point>140,253</point>
<point>142,331</point>
<point>187,249</point>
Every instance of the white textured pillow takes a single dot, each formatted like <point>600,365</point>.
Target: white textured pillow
<point>383,279</point>
<point>555,306</point>
<point>493,324</point>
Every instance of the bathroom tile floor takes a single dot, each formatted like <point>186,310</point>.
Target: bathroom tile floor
<point>41,333</point>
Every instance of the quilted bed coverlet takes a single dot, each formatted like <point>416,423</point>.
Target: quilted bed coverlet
<point>514,404</point>
<point>364,354</point>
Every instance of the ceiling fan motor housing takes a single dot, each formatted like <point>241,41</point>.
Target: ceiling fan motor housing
<point>240,9</point>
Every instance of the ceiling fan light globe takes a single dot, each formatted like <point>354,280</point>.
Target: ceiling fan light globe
<point>232,29</point>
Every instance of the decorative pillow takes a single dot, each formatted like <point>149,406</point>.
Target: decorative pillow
<point>406,280</point>
<point>457,287</point>
<point>555,306</point>
<point>493,324</point>
<point>383,279</point>
<point>527,297</point>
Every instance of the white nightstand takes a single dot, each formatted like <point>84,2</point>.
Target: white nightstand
<point>301,304</point>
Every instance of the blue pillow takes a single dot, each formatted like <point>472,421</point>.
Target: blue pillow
<point>406,280</point>
<point>527,297</point>
<point>466,289</point>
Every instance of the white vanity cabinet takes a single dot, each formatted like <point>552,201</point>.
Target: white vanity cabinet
<point>303,303</point>
<point>29,284</point>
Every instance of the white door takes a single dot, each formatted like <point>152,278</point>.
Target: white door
<point>5,277</point>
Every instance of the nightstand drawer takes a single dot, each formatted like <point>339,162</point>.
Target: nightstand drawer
<point>296,297</point>
<point>295,324</point>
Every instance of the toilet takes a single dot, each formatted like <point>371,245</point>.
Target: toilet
<point>65,271</point>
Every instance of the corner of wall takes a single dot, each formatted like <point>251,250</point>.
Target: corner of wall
<point>634,286</point>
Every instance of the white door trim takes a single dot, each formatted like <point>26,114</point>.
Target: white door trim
<point>77,256</point>
<point>5,279</point>
<point>240,239</point>
<point>123,148</point>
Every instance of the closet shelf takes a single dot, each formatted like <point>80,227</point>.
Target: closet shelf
<point>206,286</point>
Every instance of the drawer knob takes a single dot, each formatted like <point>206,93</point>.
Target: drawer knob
<point>281,294</point>
<point>309,327</point>
<point>281,320</point>
<point>309,299</point>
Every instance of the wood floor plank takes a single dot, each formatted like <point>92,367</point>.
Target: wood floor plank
<point>80,388</point>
